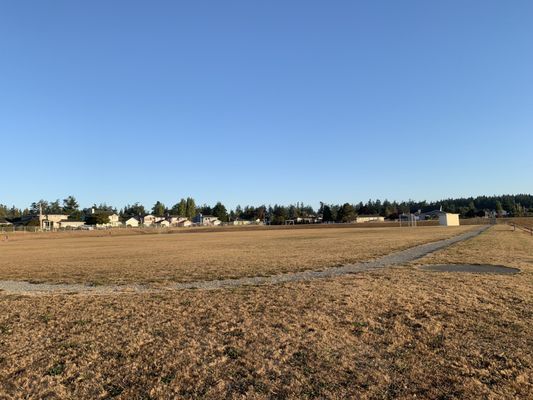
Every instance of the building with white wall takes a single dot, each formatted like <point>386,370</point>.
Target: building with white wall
<point>448,219</point>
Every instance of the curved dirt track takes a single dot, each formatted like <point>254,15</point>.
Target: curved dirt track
<point>396,258</point>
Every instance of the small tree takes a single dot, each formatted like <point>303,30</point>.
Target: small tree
<point>219,211</point>
<point>76,215</point>
<point>97,219</point>
<point>179,209</point>
<point>190,208</point>
<point>327,215</point>
<point>499,208</point>
<point>346,213</point>
<point>136,210</point>
<point>70,205</point>
<point>158,209</point>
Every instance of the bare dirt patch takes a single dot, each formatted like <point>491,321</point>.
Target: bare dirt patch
<point>471,268</point>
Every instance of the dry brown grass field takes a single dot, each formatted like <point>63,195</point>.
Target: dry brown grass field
<point>396,333</point>
<point>156,258</point>
<point>524,221</point>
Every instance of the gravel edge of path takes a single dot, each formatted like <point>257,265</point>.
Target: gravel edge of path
<point>395,258</point>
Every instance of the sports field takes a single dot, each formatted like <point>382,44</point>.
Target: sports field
<point>390,333</point>
<point>137,257</point>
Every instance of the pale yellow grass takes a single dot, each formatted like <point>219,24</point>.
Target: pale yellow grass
<point>397,333</point>
<point>499,246</point>
<point>202,255</point>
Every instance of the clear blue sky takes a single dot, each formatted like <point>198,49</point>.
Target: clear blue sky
<point>252,102</point>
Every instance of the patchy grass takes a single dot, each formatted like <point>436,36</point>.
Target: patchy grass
<point>202,255</point>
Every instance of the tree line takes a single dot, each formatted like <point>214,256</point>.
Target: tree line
<point>512,205</point>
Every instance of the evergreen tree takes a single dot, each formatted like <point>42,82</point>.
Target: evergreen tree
<point>133,211</point>
<point>190,209</point>
<point>97,218</point>
<point>179,209</point>
<point>55,207</point>
<point>219,211</point>
<point>346,213</point>
<point>499,208</point>
<point>260,213</point>
<point>327,215</point>
<point>158,209</point>
<point>279,215</point>
<point>36,206</point>
<point>70,205</point>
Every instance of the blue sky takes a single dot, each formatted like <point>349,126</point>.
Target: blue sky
<point>265,102</point>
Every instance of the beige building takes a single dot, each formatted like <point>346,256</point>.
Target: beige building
<point>132,222</point>
<point>50,222</point>
<point>448,219</point>
<point>206,220</point>
<point>177,221</point>
<point>369,218</point>
<point>114,220</point>
<point>162,224</point>
<point>149,220</point>
<point>68,224</point>
<point>240,222</point>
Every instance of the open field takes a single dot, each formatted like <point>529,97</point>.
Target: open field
<point>524,221</point>
<point>392,333</point>
<point>154,258</point>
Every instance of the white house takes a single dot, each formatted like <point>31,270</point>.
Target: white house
<point>207,220</point>
<point>240,222</point>
<point>162,223</point>
<point>69,224</point>
<point>132,222</point>
<point>49,222</point>
<point>178,221</point>
<point>4,222</point>
<point>149,220</point>
<point>184,223</point>
<point>114,220</point>
<point>369,218</point>
<point>448,219</point>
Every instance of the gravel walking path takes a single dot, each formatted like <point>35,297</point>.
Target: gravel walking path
<point>396,258</point>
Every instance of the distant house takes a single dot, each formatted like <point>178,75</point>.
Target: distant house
<point>5,222</point>
<point>162,223</point>
<point>50,222</point>
<point>179,221</point>
<point>70,224</point>
<point>206,220</point>
<point>240,222</point>
<point>114,220</point>
<point>184,223</point>
<point>175,220</point>
<point>149,220</point>
<point>310,219</point>
<point>369,218</point>
<point>132,222</point>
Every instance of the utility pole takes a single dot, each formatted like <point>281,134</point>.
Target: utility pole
<point>40,216</point>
